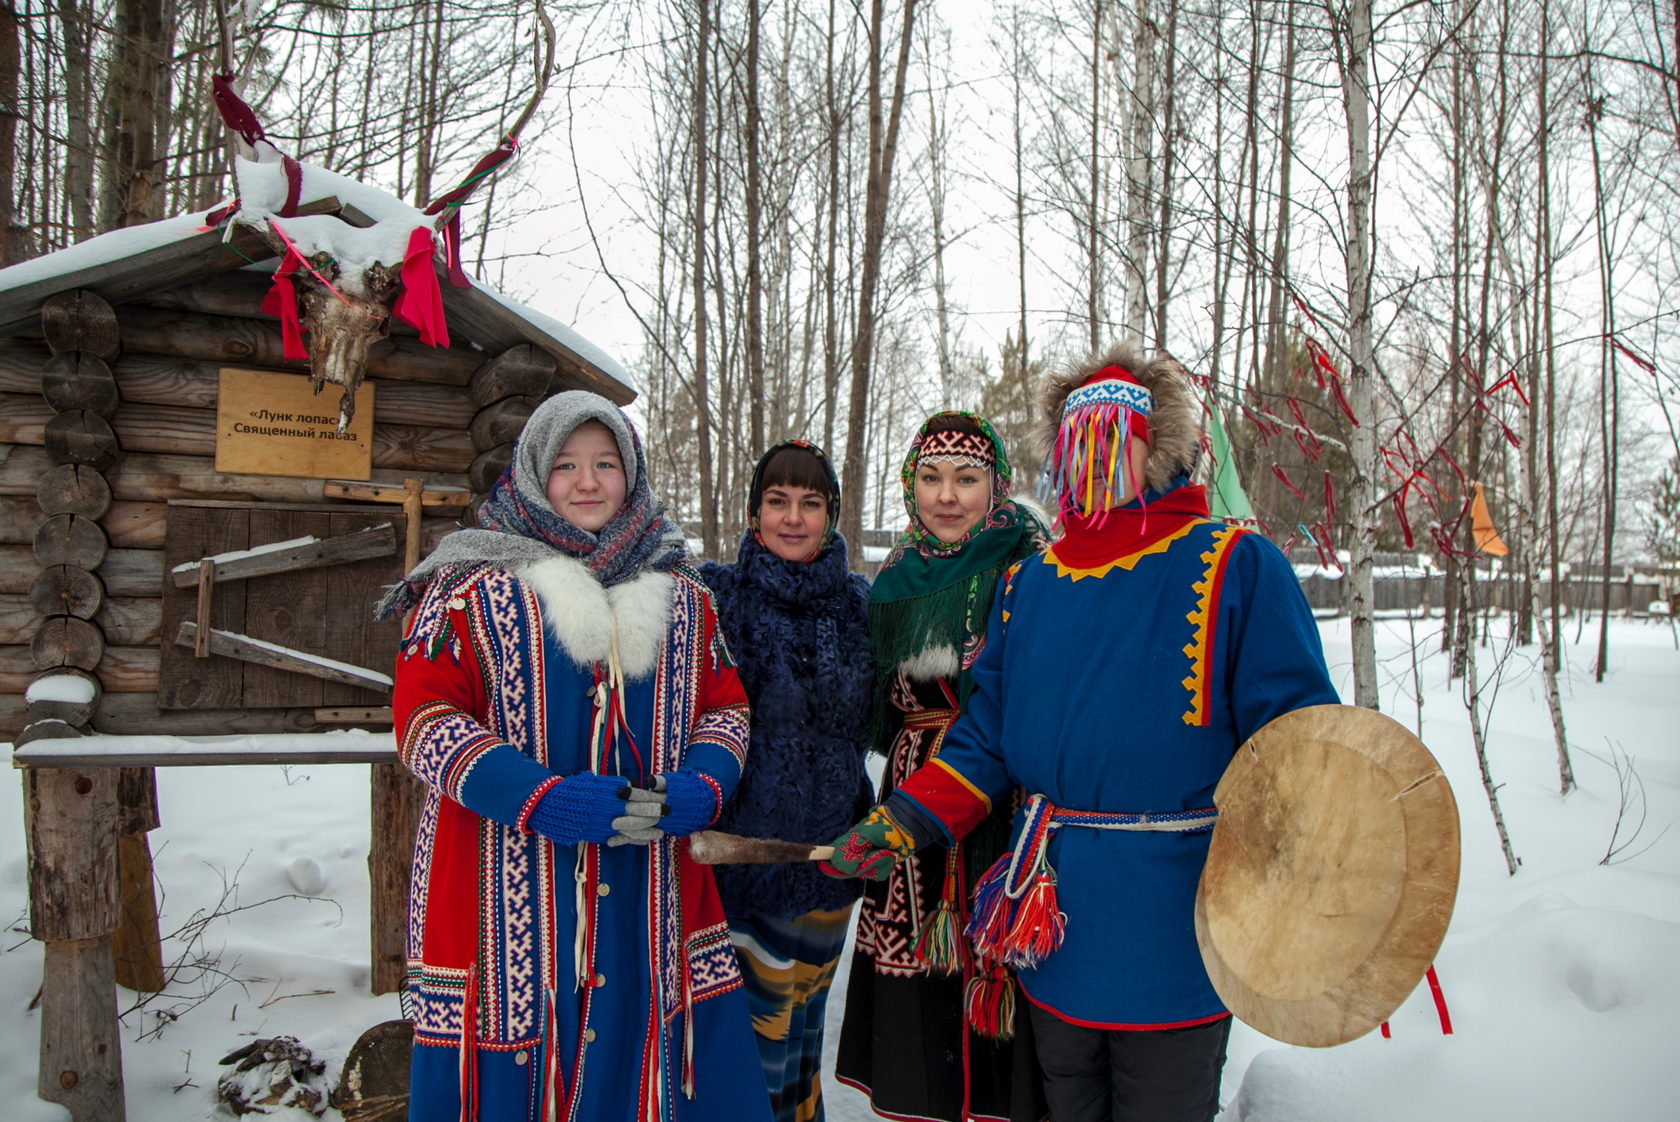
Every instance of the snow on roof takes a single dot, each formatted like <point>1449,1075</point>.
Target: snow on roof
<point>118,245</point>
<point>262,187</point>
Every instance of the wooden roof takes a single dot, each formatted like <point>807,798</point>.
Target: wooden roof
<point>475,315</point>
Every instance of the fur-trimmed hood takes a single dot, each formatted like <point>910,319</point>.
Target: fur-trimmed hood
<point>1175,424</point>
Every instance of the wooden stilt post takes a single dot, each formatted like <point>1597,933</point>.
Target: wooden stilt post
<point>71,823</point>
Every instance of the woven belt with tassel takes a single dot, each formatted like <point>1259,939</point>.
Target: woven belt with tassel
<point>1016,919</point>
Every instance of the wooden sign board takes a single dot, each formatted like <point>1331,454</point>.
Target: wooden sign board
<point>275,424</point>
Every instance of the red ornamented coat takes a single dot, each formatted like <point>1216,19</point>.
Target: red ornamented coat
<point>595,982</point>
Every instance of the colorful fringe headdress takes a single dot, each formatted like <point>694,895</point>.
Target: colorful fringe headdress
<point>1088,466</point>
<point>1089,407</point>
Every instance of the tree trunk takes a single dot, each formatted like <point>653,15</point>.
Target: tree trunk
<point>1363,511</point>
<point>1552,644</point>
<point>755,275</point>
<point>1139,171</point>
<point>936,208</point>
<point>883,144</point>
<point>1609,399</point>
<point>702,398</point>
<point>1276,337</point>
<point>1169,151</point>
<point>136,78</point>
<point>1093,212</point>
<point>13,233</point>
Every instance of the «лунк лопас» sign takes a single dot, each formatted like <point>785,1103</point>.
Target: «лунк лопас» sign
<point>269,423</point>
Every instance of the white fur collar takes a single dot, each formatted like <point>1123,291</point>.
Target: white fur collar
<point>931,663</point>
<point>579,613</point>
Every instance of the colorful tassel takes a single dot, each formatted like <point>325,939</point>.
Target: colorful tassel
<point>939,942</point>
<point>989,1003</point>
<point>989,922</point>
<point>1039,925</point>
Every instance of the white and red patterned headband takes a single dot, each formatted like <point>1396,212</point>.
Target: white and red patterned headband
<point>965,449</point>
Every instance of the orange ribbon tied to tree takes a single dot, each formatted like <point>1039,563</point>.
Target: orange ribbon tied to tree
<point>1481,527</point>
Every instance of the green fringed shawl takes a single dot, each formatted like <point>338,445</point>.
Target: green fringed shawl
<point>920,603</point>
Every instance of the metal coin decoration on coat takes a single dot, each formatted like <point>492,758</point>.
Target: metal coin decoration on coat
<point>1331,874</point>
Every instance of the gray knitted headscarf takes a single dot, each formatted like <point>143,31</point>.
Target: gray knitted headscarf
<point>519,525</point>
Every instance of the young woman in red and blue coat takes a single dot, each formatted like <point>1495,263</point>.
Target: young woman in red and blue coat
<point>567,698</point>
<point>796,620</point>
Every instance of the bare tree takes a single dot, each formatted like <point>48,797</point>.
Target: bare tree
<point>885,113</point>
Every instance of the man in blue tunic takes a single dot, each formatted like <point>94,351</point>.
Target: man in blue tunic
<point>1123,667</point>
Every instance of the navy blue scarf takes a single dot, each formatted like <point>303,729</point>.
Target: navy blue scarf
<point>799,635</point>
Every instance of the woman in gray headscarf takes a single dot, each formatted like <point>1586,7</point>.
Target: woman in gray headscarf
<point>567,698</point>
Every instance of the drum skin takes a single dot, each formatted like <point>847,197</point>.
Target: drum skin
<point>1330,876</point>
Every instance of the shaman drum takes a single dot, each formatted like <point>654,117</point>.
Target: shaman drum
<point>1330,876</point>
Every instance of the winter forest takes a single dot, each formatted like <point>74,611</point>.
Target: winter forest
<point>1420,258</point>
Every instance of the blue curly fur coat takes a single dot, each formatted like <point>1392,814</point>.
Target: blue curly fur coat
<point>799,635</point>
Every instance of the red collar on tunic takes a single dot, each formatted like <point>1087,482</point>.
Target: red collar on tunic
<point>1101,538</point>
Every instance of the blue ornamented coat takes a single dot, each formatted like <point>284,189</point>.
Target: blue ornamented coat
<point>1124,688</point>
<point>595,982</point>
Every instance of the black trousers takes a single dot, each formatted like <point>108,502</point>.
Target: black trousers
<point>1109,1075</point>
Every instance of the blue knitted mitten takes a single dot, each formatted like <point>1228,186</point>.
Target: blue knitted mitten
<point>580,808</point>
<point>692,802</point>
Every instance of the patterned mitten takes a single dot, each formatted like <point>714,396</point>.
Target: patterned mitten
<point>869,849</point>
<point>580,808</point>
<point>693,801</point>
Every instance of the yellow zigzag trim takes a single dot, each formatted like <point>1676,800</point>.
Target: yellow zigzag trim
<point>1199,617</point>
<point>1126,562</point>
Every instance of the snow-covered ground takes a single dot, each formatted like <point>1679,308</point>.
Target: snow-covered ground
<point>1563,982</point>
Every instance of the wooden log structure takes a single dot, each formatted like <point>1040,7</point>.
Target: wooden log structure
<point>110,376</point>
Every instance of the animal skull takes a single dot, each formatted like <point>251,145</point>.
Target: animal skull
<point>342,330</point>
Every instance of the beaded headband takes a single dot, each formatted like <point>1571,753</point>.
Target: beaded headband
<point>966,449</point>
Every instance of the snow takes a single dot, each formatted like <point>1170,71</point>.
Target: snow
<point>373,676</point>
<point>72,688</point>
<point>356,742</point>
<point>262,187</point>
<point>568,338</point>
<point>242,554</point>
<point>118,245</point>
<point>1560,980</point>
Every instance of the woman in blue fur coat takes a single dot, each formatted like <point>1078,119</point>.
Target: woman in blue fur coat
<point>796,619</point>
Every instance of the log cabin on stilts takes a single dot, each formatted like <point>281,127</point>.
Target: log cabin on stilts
<point>192,537</point>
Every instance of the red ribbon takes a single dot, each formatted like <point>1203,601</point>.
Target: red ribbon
<point>498,156</point>
<point>420,303</point>
<point>1644,364</point>
<point>1287,482</point>
<point>281,301</point>
<point>1509,380</point>
<point>1440,1005</point>
<point>1329,498</point>
<point>236,115</point>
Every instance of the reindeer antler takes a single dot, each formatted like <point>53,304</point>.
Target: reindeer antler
<point>447,207</point>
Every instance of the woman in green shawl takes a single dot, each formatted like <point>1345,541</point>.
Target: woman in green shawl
<point>929,1032</point>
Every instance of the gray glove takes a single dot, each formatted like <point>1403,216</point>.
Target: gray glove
<point>639,822</point>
